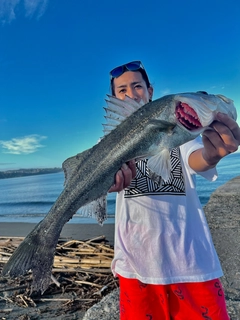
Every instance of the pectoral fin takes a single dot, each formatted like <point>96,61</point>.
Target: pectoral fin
<point>160,164</point>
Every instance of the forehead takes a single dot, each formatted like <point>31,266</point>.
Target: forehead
<point>128,77</point>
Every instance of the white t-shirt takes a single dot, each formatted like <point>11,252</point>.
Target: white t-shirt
<point>161,233</point>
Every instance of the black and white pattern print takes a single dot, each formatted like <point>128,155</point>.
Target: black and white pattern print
<point>143,185</point>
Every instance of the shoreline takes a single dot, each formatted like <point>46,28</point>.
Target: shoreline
<point>70,230</point>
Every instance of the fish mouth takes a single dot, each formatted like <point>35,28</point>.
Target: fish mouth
<point>187,116</point>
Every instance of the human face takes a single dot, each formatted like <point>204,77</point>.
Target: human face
<point>131,84</point>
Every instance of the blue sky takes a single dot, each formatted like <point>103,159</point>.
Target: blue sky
<point>55,57</point>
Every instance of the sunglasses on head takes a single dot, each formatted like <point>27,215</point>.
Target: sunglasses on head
<point>130,66</point>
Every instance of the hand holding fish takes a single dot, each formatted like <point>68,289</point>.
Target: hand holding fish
<point>124,176</point>
<point>222,140</point>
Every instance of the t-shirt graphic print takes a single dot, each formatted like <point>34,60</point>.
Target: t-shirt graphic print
<point>143,184</point>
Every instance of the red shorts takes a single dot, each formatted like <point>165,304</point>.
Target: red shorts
<point>181,301</point>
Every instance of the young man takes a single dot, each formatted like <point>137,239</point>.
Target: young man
<point>164,256</point>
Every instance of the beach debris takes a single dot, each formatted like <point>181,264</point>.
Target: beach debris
<point>143,131</point>
<point>81,270</point>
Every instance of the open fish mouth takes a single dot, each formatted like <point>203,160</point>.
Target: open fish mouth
<point>187,116</point>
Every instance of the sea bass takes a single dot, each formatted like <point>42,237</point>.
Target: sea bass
<point>133,131</point>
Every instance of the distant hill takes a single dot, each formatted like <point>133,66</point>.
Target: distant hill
<point>27,172</point>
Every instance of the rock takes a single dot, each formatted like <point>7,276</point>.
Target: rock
<point>223,215</point>
<point>107,308</point>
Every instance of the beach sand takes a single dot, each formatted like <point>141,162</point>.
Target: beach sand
<point>70,230</point>
<point>55,309</point>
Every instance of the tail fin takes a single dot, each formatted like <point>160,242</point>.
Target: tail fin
<point>35,253</point>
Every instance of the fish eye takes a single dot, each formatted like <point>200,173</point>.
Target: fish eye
<point>204,92</point>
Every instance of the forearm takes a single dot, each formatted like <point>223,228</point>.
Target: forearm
<point>197,162</point>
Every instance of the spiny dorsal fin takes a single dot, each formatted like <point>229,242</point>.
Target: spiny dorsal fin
<point>118,110</point>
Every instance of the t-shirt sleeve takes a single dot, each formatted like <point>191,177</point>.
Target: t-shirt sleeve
<point>186,149</point>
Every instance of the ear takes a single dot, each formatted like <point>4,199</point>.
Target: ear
<point>150,91</point>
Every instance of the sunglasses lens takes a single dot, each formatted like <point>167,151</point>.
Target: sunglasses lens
<point>117,72</point>
<point>133,66</point>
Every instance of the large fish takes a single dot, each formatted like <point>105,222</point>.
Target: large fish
<point>133,131</point>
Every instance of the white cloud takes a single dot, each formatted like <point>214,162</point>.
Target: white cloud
<point>23,145</point>
<point>35,6</point>
<point>8,9</point>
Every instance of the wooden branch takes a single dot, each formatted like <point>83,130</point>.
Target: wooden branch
<point>83,267</point>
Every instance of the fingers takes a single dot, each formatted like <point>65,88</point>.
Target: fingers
<point>212,151</point>
<point>124,176</point>
<point>132,167</point>
<point>228,133</point>
<point>224,138</point>
<point>119,180</point>
<point>231,124</point>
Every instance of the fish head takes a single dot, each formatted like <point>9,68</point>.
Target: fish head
<point>196,111</point>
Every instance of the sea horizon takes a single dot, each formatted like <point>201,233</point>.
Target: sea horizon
<point>29,198</point>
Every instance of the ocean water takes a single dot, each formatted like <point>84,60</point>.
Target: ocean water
<point>28,199</point>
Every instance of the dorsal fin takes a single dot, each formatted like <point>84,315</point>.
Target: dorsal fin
<point>118,110</point>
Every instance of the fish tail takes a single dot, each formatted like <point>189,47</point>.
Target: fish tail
<point>35,253</point>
